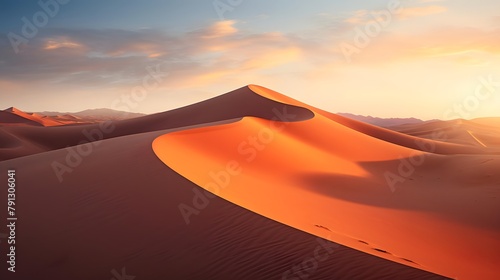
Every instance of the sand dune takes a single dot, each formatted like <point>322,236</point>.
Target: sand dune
<point>10,119</point>
<point>43,120</point>
<point>229,106</point>
<point>464,132</point>
<point>119,208</point>
<point>14,117</point>
<point>383,122</point>
<point>326,176</point>
<point>305,173</point>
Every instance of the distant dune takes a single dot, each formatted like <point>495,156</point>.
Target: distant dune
<point>15,117</point>
<point>288,180</point>
<point>34,118</point>
<point>477,132</point>
<point>383,122</point>
<point>95,115</point>
<point>9,118</point>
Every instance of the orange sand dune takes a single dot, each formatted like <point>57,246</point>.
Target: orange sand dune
<point>43,120</point>
<point>10,119</point>
<point>119,209</point>
<point>327,176</point>
<point>68,118</point>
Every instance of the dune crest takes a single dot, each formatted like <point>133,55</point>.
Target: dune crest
<point>326,175</point>
<point>29,118</point>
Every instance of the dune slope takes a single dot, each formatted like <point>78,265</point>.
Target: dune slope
<point>422,203</point>
<point>119,209</point>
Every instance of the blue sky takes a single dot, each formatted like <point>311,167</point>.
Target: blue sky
<point>428,57</point>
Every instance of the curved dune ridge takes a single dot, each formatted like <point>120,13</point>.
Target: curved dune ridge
<point>422,203</point>
<point>118,208</point>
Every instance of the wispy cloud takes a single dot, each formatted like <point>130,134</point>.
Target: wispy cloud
<point>457,44</point>
<point>220,29</point>
<point>360,17</point>
<point>53,44</point>
<point>413,12</point>
<point>114,56</point>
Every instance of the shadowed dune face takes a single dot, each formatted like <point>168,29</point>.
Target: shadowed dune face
<point>461,182</point>
<point>42,120</point>
<point>10,119</point>
<point>272,169</point>
<point>9,141</point>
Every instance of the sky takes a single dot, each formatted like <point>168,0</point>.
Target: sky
<point>430,59</point>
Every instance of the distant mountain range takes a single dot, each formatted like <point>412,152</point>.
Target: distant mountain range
<point>381,121</point>
<point>99,114</point>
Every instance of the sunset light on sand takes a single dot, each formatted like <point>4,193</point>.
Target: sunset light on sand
<point>250,139</point>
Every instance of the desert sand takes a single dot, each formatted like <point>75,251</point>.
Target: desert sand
<point>37,118</point>
<point>325,175</point>
<point>310,174</point>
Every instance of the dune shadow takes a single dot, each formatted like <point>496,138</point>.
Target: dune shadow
<point>360,190</point>
<point>431,188</point>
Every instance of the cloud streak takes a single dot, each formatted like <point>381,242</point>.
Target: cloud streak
<point>415,12</point>
<point>119,56</point>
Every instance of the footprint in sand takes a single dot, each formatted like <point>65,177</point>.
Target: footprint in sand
<point>320,226</point>
<point>385,252</point>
